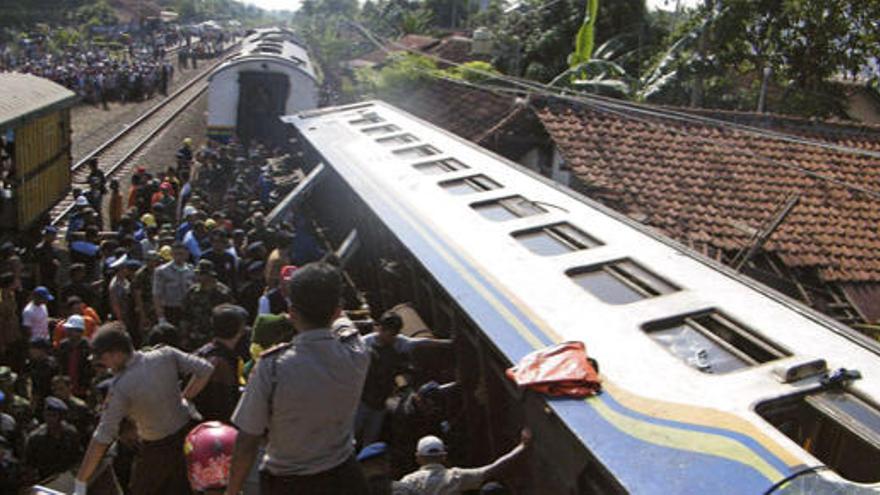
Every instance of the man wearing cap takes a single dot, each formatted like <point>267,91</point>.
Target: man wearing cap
<point>17,406</point>
<point>190,215</point>
<point>377,470</point>
<point>305,394</point>
<point>145,390</point>
<point>200,301</point>
<point>171,282</point>
<point>434,478</point>
<point>54,446</point>
<point>35,316</point>
<point>73,355</point>
<point>218,399</point>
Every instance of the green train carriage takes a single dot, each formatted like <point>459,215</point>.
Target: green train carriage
<point>35,160</point>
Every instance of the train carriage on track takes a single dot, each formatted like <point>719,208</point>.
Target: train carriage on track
<point>271,75</point>
<point>713,384</point>
<point>35,126</point>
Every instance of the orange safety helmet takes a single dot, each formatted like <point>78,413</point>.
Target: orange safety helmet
<point>208,452</point>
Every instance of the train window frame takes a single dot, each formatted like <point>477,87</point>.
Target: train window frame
<point>563,234</point>
<point>629,274</point>
<point>398,139</point>
<point>419,151</point>
<point>366,118</point>
<point>515,205</point>
<point>708,326</point>
<point>476,183</point>
<point>441,166</point>
<point>380,130</point>
<point>833,434</point>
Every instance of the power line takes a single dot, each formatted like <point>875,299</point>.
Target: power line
<point>617,107</point>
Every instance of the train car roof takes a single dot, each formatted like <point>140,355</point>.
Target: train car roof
<point>273,46</point>
<point>26,96</point>
<point>661,426</point>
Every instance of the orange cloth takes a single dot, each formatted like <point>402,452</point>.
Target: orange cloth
<point>132,197</point>
<point>562,371</point>
<point>115,208</point>
<point>92,324</point>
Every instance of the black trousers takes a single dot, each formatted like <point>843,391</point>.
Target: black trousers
<point>344,479</point>
<point>160,467</point>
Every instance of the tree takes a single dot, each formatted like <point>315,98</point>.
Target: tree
<point>804,44</point>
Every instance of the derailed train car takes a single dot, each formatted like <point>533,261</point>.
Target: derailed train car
<point>712,382</point>
<point>36,156</point>
<point>272,75</point>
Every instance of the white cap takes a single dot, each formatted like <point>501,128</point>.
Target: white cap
<point>82,201</point>
<point>189,210</point>
<point>430,446</point>
<point>75,321</point>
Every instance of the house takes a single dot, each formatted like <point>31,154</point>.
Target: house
<point>715,181</point>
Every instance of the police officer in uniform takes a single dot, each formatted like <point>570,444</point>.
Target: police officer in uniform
<point>305,393</point>
<point>145,390</point>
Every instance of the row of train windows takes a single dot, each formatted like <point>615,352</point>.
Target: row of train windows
<point>709,342</point>
<point>837,427</point>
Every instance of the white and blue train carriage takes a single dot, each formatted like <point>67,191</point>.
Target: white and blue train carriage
<point>270,76</point>
<point>713,384</point>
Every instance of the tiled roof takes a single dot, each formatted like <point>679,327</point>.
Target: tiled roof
<point>471,113</point>
<point>700,182</point>
<point>713,184</point>
<point>456,49</point>
<point>411,41</point>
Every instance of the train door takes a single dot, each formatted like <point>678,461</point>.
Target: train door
<point>262,99</point>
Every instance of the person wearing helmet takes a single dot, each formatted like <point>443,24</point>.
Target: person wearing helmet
<point>185,152</point>
<point>208,451</point>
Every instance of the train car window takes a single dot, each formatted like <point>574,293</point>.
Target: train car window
<point>555,239</point>
<point>620,282</point>
<point>417,151</point>
<point>472,184</point>
<point>508,208</point>
<point>713,343</point>
<point>268,49</point>
<point>836,426</point>
<point>440,166</point>
<point>399,139</point>
<point>367,118</point>
<point>379,130</point>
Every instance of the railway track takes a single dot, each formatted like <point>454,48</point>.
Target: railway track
<point>124,147</point>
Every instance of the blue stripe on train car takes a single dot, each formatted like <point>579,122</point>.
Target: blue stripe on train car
<point>638,464</point>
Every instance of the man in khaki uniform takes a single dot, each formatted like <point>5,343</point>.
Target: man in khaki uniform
<point>146,391</point>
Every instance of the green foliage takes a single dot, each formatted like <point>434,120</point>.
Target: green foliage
<point>96,14</point>
<point>415,22</point>
<point>586,36</point>
<point>476,71</point>
<point>804,43</point>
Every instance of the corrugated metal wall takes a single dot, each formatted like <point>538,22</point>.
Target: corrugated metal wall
<point>42,156</point>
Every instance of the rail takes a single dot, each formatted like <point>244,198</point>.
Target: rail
<point>191,91</point>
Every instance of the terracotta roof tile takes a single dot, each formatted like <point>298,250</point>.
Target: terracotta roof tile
<point>700,181</point>
<point>712,175</point>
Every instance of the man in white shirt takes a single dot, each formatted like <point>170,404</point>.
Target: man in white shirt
<point>434,478</point>
<point>35,316</point>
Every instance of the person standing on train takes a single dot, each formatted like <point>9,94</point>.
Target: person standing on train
<point>305,394</point>
<point>146,389</point>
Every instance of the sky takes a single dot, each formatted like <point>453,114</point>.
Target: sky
<point>293,4</point>
<point>275,4</point>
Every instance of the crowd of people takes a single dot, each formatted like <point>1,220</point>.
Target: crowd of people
<point>174,335</point>
<point>132,70</point>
